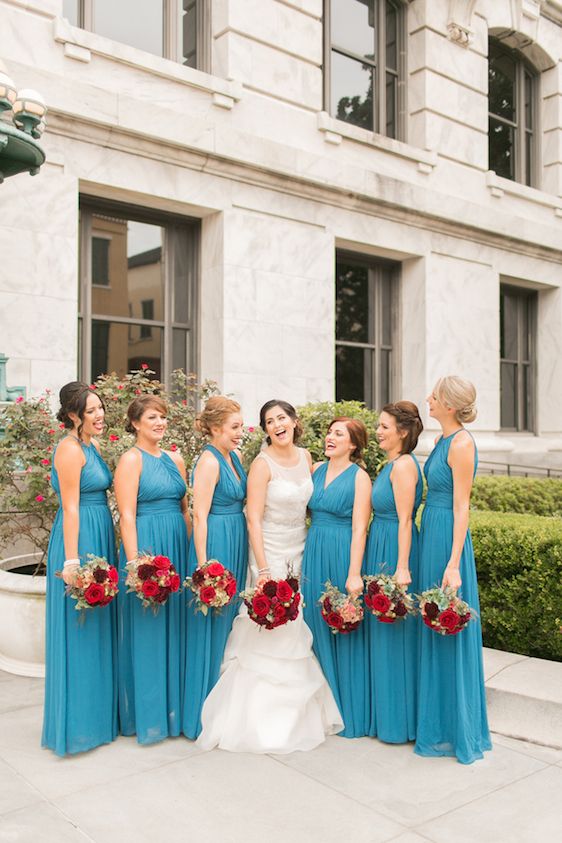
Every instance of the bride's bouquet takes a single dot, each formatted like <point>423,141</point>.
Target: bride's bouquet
<point>342,612</point>
<point>443,612</point>
<point>96,583</point>
<point>386,600</point>
<point>213,585</point>
<point>152,579</point>
<point>274,603</point>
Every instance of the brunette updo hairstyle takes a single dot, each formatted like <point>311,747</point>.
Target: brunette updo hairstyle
<point>215,413</point>
<point>138,407</point>
<point>407,417</point>
<point>289,410</point>
<point>358,435</point>
<point>73,398</point>
<point>456,392</point>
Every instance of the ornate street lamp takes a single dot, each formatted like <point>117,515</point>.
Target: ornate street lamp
<point>19,150</point>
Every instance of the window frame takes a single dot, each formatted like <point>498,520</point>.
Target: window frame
<point>523,69</point>
<point>374,267</point>
<point>172,225</point>
<point>379,87</point>
<point>528,298</point>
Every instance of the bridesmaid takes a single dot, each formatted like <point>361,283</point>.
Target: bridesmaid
<point>452,716</point>
<point>340,507</point>
<point>80,684</point>
<point>151,496</point>
<point>392,547</point>
<point>219,491</point>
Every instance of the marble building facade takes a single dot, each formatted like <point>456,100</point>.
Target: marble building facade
<point>252,159</point>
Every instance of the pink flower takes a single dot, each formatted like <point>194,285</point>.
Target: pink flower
<point>61,426</point>
<point>144,366</point>
<point>113,437</point>
<point>19,399</point>
<point>51,432</point>
<point>45,462</point>
<point>137,392</point>
<point>39,498</point>
<point>173,447</point>
<point>251,429</point>
<point>120,386</point>
<point>93,386</point>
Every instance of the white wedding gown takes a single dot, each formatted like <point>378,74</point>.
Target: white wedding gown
<point>272,695</point>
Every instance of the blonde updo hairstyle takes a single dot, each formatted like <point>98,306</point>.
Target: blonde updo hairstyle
<point>215,413</point>
<point>460,394</point>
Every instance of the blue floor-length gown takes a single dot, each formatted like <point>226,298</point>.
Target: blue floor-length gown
<point>152,646</point>
<point>81,653</point>
<point>392,657</point>
<point>326,557</point>
<point>227,542</point>
<point>452,717</point>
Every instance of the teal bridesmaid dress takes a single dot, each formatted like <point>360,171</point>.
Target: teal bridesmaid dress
<point>326,557</point>
<point>392,657</point>
<point>452,717</point>
<point>81,653</point>
<point>151,646</point>
<point>227,541</point>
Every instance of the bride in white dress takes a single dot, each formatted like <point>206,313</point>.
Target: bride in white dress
<point>272,695</point>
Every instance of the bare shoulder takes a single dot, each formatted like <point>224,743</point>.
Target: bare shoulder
<point>69,451</point>
<point>130,459</point>
<point>405,467</point>
<point>207,466</point>
<point>176,457</point>
<point>307,456</point>
<point>463,443</point>
<point>316,466</point>
<point>259,468</point>
<point>362,479</point>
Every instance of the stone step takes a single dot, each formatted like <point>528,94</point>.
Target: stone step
<point>524,697</point>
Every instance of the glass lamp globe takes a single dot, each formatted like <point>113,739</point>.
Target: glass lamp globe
<point>29,109</point>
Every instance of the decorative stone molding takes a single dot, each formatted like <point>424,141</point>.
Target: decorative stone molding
<point>460,17</point>
<point>459,34</point>
<point>498,187</point>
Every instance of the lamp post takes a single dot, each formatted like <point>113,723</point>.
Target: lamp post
<point>19,147</point>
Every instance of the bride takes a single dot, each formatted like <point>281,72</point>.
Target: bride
<point>272,695</point>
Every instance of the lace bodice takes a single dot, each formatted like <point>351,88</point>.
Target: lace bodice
<point>288,492</point>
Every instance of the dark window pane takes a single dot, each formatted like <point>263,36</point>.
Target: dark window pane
<point>391,96</point>
<point>121,348</point>
<point>100,261</point>
<point>386,308</point>
<point>185,268</point>
<point>352,91</point>
<point>508,395</point>
<point>189,32</point>
<point>526,421</point>
<point>528,101</point>
<point>352,303</point>
<point>501,149</point>
<point>70,11</point>
<point>524,315</point>
<point>528,158</point>
<point>354,374</point>
<point>391,37</point>
<point>508,325</point>
<point>353,26</point>
<point>100,348</point>
<point>147,308</point>
<point>501,84</point>
<point>385,359</point>
<point>126,22</point>
<point>180,351</point>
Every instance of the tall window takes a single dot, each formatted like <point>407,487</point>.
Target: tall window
<point>517,353</point>
<point>175,29</point>
<point>512,115</point>
<point>363,63</point>
<point>137,292</point>
<point>365,315</point>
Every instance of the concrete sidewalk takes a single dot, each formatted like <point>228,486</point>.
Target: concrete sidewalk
<point>357,790</point>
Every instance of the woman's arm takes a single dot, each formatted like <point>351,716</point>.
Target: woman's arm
<point>258,478</point>
<point>404,477</point>
<point>126,484</point>
<point>359,524</point>
<point>69,461</point>
<point>178,459</point>
<point>461,460</point>
<point>205,479</point>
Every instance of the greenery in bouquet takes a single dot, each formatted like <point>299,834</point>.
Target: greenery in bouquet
<point>386,600</point>
<point>443,611</point>
<point>96,584</point>
<point>342,612</point>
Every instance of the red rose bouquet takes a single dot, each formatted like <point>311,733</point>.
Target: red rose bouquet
<point>213,585</point>
<point>342,612</point>
<point>152,579</point>
<point>96,583</point>
<point>386,600</point>
<point>444,612</point>
<point>274,603</point>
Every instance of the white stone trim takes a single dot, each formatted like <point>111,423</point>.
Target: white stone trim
<point>498,186</point>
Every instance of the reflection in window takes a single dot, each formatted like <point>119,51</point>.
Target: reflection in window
<point>100,261</point>
<point>364,330</point>
<point>363,42</point>
<point>511,115</point>
<point>517,343</point>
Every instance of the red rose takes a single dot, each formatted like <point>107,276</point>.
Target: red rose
<point>386,619</point>
<point>198,576</point>
<point>279,612</point>
<point>427,622</point>
<point>100,575</point>
<point>284,591</point>
<point>368,601</point>
<point>174,583</point>
<point>150,588</point>
<point>374,587</point>
<point>94,593</point>
<point>230,587</point>
<point>431,610</point>
<point>335,620</point>
<point>400,609</point>
<point>449,619</point>
<point>215,569</point>
<point>161,562</point>
<point>381,603</point>
<point>327,604</point>
<point>270,588</point>
<point>207,594</point>
<point>293,582</point>
<point>113,574</point>
<point>464,618</point>
<point>261,605</point>
<point>163,594</point>
<point>296,600</point>
<point>145,571</point>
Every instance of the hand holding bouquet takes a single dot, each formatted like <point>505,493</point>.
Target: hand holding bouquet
<point>96,583</point>
<point>213,586</point>
<point>342,612</point>
<point>152,579</point>
<point>386,600</point>
<point>444,612</point>
<point>274,603</point>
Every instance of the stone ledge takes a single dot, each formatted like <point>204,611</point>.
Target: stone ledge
<point>524,697</point>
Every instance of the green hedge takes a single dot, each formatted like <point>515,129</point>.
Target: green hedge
<point>531,495</point>
<point>519,564</point>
